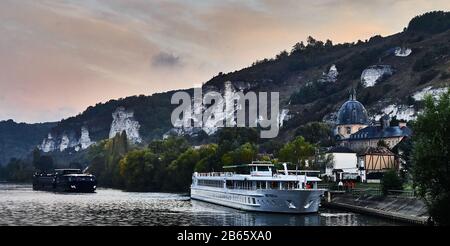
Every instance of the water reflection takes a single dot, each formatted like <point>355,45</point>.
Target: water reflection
<point>20,205</point>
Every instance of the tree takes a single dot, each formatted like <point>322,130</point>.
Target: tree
<point>317,133</point>
<point>431,22</point>
<point>115,149</point>
<point>163,166</point>
<point>325,160</point>
<point>430,156</point>
<point>2,174</point>
<point>297,151</point>
<point>311,41</point>
<point>209,159</point>
<point>180,171</point>
<point>282,54</point>
<point>245,153</point>
<point>42,163</point>
<point>104,160</point>
<point>382,143</point>
<point>391,181</point>
<point>403,150</point>
<point>298,47</point>
<point>139,170</point>
<point>18,171</point>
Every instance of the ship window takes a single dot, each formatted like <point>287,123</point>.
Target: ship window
<point>254,200</point>
<point>274,185</point>
<point>349,130</point>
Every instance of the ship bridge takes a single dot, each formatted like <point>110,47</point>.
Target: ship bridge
<point>257,168</point>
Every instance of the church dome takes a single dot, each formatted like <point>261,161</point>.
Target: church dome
<point>352,112</point>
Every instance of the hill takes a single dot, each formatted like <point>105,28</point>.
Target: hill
<point>19,139</point>
<point>391,75</point>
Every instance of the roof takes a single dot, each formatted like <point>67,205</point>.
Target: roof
<point>379,132</point>
<point>377,151</point>
<point>352,112</point>
<point>340,149</point>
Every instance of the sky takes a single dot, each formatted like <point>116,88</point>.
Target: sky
<point>57,57</point>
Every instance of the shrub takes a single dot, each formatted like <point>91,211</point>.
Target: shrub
<point>391,181</point>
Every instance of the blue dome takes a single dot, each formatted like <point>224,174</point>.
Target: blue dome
<point>352,112</point>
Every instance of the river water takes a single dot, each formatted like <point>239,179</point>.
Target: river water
<point>20,205</point>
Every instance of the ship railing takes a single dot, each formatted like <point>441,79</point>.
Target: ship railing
<point>266,188</point>
<point>216,174</point>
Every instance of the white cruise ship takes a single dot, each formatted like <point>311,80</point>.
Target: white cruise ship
<point>263,190</point>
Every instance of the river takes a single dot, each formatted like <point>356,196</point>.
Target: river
<point>20,205</point>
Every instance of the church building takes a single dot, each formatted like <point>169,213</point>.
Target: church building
<point>354,130</point>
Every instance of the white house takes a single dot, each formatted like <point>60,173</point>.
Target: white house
<point>344,166</point>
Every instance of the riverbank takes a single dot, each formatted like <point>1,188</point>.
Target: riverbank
<point>402,209</point>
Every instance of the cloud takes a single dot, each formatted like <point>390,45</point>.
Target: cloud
<point>164,59</point>
<point>75,53</point>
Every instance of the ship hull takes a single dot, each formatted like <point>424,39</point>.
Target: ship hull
<point>74,186</point>
<point>296,201</point>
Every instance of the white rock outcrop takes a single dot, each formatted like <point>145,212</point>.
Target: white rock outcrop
<point>283,116</point>
<point>402,52</point>
<point>217,119</point>
<point>331,76</point>
<point>374,74</point>
<point>123,120</point>
<point>400,112</point>
<point>434,92</point>
<point>85,140</point>
<point>48,144</point>
<point>65,142</point>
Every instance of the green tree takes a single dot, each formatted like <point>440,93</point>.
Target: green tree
<point>430,156</point>
<point>391,181</point>
<point>180,171</point>
<point>139,171</point>
<point>163,166</point>
<point>297,151</point>
<point>245,153</point>
<point>209,159</point>
<point>104,160</point>
<point>97,160</point>
<point>317,133</point>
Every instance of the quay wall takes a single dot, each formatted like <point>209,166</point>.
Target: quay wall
<point>404,209</point>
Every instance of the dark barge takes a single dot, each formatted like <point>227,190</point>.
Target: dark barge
<point>65,180</point>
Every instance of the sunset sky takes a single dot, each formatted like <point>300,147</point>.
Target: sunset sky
<point>58,57</point>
